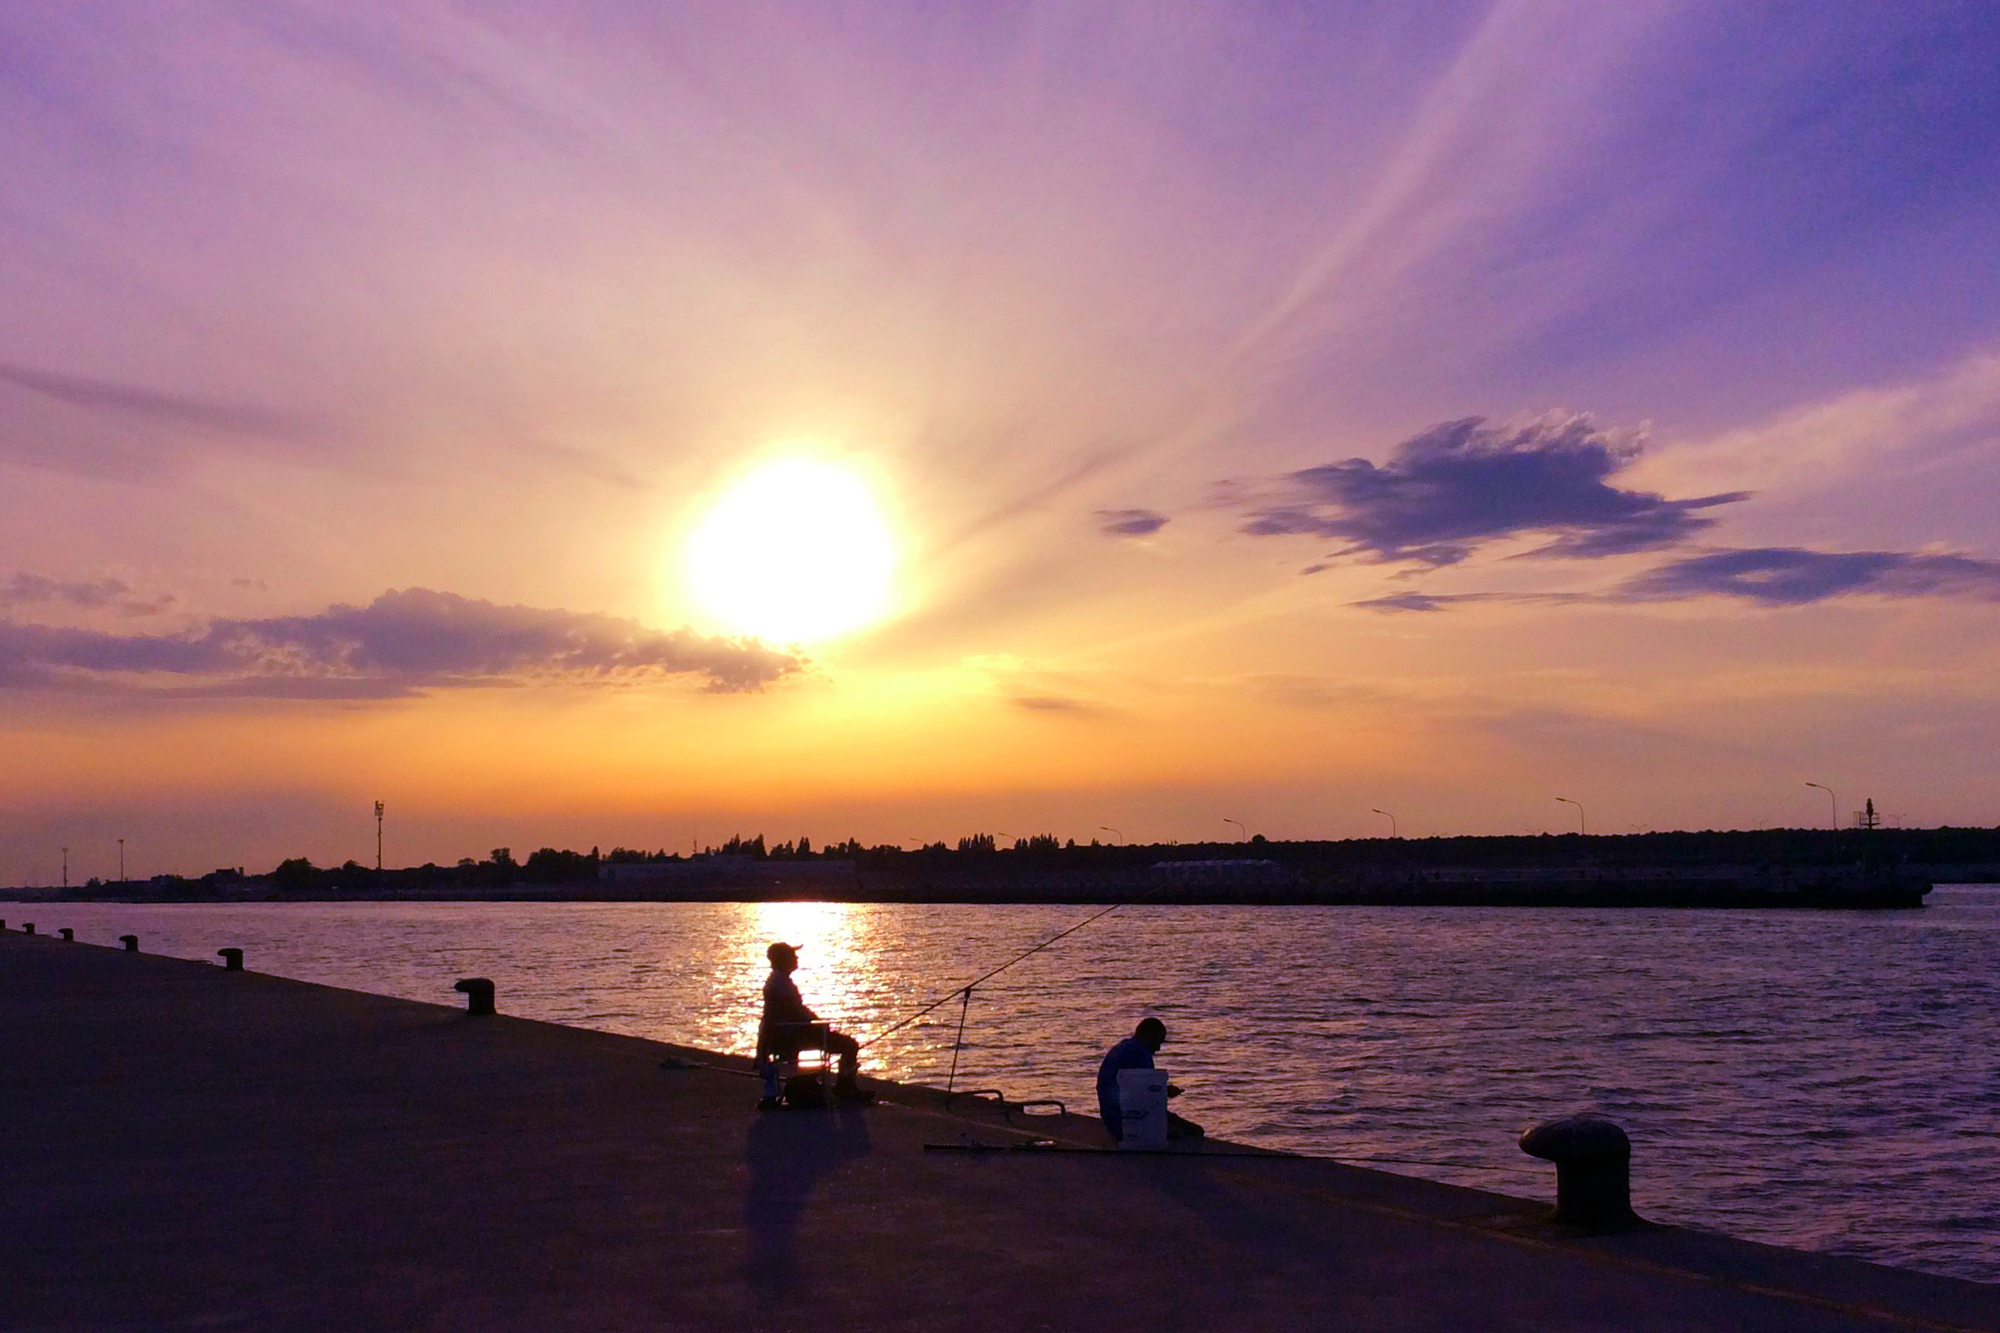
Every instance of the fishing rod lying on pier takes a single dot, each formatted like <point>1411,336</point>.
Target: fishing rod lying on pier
<point>964,993</point>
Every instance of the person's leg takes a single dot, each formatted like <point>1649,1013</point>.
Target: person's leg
<point>849,1053</point>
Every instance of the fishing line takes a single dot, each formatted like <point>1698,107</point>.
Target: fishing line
<point>964,995</point>
<point>967,988</point>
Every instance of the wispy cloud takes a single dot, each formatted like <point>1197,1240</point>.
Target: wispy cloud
<point>171,409</point>
<point>1790,576</point>
<point>27,588</point>
<point>1130,522</point>
<point>1480,146</point>
<point>1420,601</point>
<point>1945,419</point>
<point>1769,576</point>
<point>1463,484</point>
<point>1056,703</point>
<point>401,642</point>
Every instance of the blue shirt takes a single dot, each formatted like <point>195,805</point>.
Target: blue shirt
<point>1130,1053</point>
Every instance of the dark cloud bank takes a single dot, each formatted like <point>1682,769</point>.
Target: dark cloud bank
<point>399,644</point>
<point>1463,484</point>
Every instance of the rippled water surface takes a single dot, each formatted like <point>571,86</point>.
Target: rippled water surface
<point>1821,1080</point>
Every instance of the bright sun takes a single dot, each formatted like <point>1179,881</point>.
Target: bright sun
<point>794,550</point>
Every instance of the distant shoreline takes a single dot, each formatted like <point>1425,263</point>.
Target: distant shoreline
<point>1714,868</point>
<point>1686,891</point>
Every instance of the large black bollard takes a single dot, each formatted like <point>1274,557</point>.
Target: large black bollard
<point>1593,1170</point>
<point>478,992</point>
<point>131,943</point>
<point>27,927</point>
<point>67,933</point>
<point>232,959</point>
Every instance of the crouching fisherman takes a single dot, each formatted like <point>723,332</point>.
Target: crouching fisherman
<point>1136,1052</point>
<point>789,1027</point>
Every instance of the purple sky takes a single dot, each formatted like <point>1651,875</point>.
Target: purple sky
<point>1283,410</point>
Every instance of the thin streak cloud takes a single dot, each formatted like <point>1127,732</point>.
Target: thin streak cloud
<point>1790,576</point>
<point>159,407</point>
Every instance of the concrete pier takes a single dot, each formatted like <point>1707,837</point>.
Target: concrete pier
<point>183,1146</point>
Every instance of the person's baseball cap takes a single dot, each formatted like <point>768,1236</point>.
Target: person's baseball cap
<point>781,949</point>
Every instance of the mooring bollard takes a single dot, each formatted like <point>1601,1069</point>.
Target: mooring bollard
<point>478,992</point>
<point>67,933</point>
<point>131,943</point>
<point>232,959</point>
<point>27,927</point>
<point>1593,1169</point>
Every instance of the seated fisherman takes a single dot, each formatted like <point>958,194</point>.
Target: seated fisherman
<point>787,1024</point>
<point>1136,1052</point>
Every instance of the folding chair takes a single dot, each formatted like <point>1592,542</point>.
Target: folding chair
<point>795,1065</point>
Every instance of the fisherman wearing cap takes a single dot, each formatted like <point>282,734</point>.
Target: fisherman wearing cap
<point>786,1018</point>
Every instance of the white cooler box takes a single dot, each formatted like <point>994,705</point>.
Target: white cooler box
<point>1142,1108</point>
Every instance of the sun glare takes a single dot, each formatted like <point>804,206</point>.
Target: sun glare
<point>793,551</point>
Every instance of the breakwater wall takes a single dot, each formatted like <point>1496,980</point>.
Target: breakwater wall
<point>192,1144</point>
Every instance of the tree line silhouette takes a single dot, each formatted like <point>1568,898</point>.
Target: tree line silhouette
<point>1965,850</point>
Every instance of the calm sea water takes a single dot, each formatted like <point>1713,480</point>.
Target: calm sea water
<point>1822,1080</point>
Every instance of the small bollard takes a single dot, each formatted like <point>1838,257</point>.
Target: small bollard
<point>27,927</point>
<point>232,959</point>
<point>131,943</point>
<point>1593,1170</point>
<point>67,933</point>
<point>478,992</point>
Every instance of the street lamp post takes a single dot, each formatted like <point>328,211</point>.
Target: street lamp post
<point>1392,822</point>
<point>1239,825</point>
<point>1114,832</point>
<point>378,835</point>
<point>65,867</point>
<point>121,860</point>
<point>1582,826</point>
<point>1833,803</point>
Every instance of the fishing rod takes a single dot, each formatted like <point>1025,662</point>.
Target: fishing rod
<point>967,989</point>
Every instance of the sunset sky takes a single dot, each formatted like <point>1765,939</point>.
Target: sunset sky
<point>1142,415</point>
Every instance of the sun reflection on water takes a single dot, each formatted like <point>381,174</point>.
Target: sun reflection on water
<point>837,961</point>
